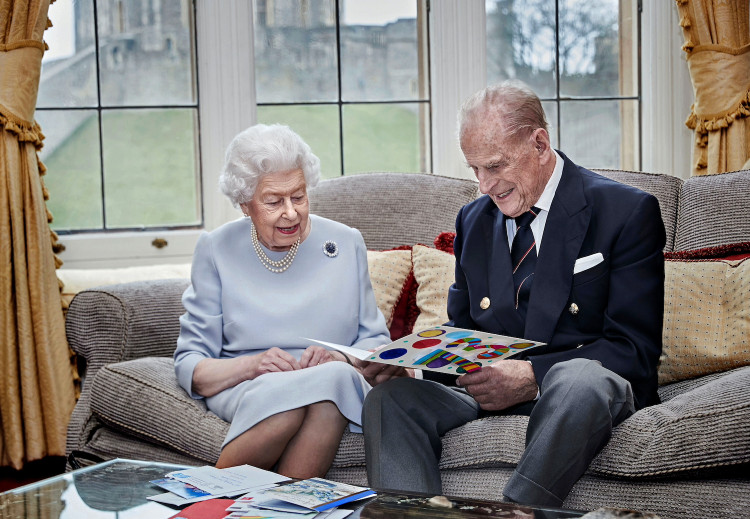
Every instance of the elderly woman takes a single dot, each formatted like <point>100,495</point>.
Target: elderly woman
<point>261,286</point>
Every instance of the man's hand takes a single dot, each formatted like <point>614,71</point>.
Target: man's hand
<point>501,385</point>
<point>376,373</point>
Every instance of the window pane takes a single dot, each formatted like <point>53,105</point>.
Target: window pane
<point>521,43</point>
<point>150,164</point>
<point>317,125</point>
<point>69,66</point>
<point>383,137</point>
<point>550,110</point>
<point>145,52</point>
<point>295,51</point>
<point>590,48</point>
<point>600,134</point>
<point>379,50</point>
<point>71,155</point>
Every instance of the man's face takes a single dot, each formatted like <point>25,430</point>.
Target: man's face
<point>510,170</point>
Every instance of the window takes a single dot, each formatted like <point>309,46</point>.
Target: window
<point>118,103</point>
<point>311,64</point>
<point>582,59</point>
<point>350,76</point>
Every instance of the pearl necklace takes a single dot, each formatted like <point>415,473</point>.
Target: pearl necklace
<point>276,267</point>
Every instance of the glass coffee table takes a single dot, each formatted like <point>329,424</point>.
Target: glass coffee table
<point>118,488</point>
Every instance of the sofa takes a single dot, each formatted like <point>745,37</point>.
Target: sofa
<point>688,457</point>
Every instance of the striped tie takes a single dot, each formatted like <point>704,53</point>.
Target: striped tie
<point>523,259</point>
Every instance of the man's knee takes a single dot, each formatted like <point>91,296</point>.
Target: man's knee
<point>383,399</point>
<point>389,392</point>
<point>585,380</point>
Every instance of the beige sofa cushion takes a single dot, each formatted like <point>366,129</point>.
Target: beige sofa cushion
<point>434,271</point>
<point>706,318</point>
<point>388,273</point>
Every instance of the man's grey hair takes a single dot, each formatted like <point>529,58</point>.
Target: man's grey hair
<point>261,150</point>
<point>519,108</point>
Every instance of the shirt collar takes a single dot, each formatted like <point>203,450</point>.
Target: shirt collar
<point>545,201</point>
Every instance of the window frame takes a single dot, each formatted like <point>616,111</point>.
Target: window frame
<point>226,80</point>
<point>226,107</point>
<point>423,100</point>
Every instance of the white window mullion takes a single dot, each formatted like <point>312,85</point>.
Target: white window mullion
<point>667,92</point>
<point>458,69</point>
<point>226,78</point>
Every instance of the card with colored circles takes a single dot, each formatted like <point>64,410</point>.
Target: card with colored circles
<point>445,349</point>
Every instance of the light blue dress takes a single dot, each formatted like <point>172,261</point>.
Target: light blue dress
<point>235,306</point>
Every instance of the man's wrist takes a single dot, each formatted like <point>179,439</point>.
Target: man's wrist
<point>538,391</point>
<point>346,358</point>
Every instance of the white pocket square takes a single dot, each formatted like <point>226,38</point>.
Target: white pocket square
<point>587,262</point>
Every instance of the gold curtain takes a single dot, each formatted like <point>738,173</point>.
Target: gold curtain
<point>717,43</point>
<point>37,394</point>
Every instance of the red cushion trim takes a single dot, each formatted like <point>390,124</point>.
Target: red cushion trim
<point>732,251</point>
<point>444,242</point>
<point>405,312</point>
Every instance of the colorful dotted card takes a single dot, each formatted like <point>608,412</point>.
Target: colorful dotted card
<point>450,350</point>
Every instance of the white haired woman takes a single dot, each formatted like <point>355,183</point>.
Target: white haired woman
<point>260,286</point>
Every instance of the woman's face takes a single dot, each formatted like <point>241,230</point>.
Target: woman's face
<point>280,210</point>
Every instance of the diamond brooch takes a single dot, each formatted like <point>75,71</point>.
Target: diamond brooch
<point>330,249</point>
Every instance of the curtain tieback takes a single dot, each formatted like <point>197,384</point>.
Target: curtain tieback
<point>19,83</point>
<point>718,98</point>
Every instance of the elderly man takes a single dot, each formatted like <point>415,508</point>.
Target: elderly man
<point>553,253</point>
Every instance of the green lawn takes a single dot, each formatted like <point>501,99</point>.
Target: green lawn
<point>149,165</point>
<point>73,180</point>
<point>377,137</point>
<point>150,160</point>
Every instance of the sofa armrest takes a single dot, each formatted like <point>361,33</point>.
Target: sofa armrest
<point>114,323</point>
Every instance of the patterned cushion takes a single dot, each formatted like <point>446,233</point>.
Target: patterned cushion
<point>714,210</point>
<point>706,318</point>
<point>388,273</point>
<point>434,271</point>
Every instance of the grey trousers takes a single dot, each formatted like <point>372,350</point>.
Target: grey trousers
<point>404,420</point>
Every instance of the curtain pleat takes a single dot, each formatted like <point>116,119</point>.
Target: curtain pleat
<point>717,43</point>
<point>37,391</point>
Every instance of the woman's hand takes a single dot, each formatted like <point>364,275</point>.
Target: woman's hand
<point>273,360</point>
<point>315,355</point>
<point>212,376</point>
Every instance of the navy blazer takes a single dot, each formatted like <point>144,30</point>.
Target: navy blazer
<point>620,301</point>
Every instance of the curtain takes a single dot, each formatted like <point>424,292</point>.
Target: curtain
<point>36,392</point>
<point>717,43</point>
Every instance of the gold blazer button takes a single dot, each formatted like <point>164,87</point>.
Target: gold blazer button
<point>573,309</point>
<point>484,304</point>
